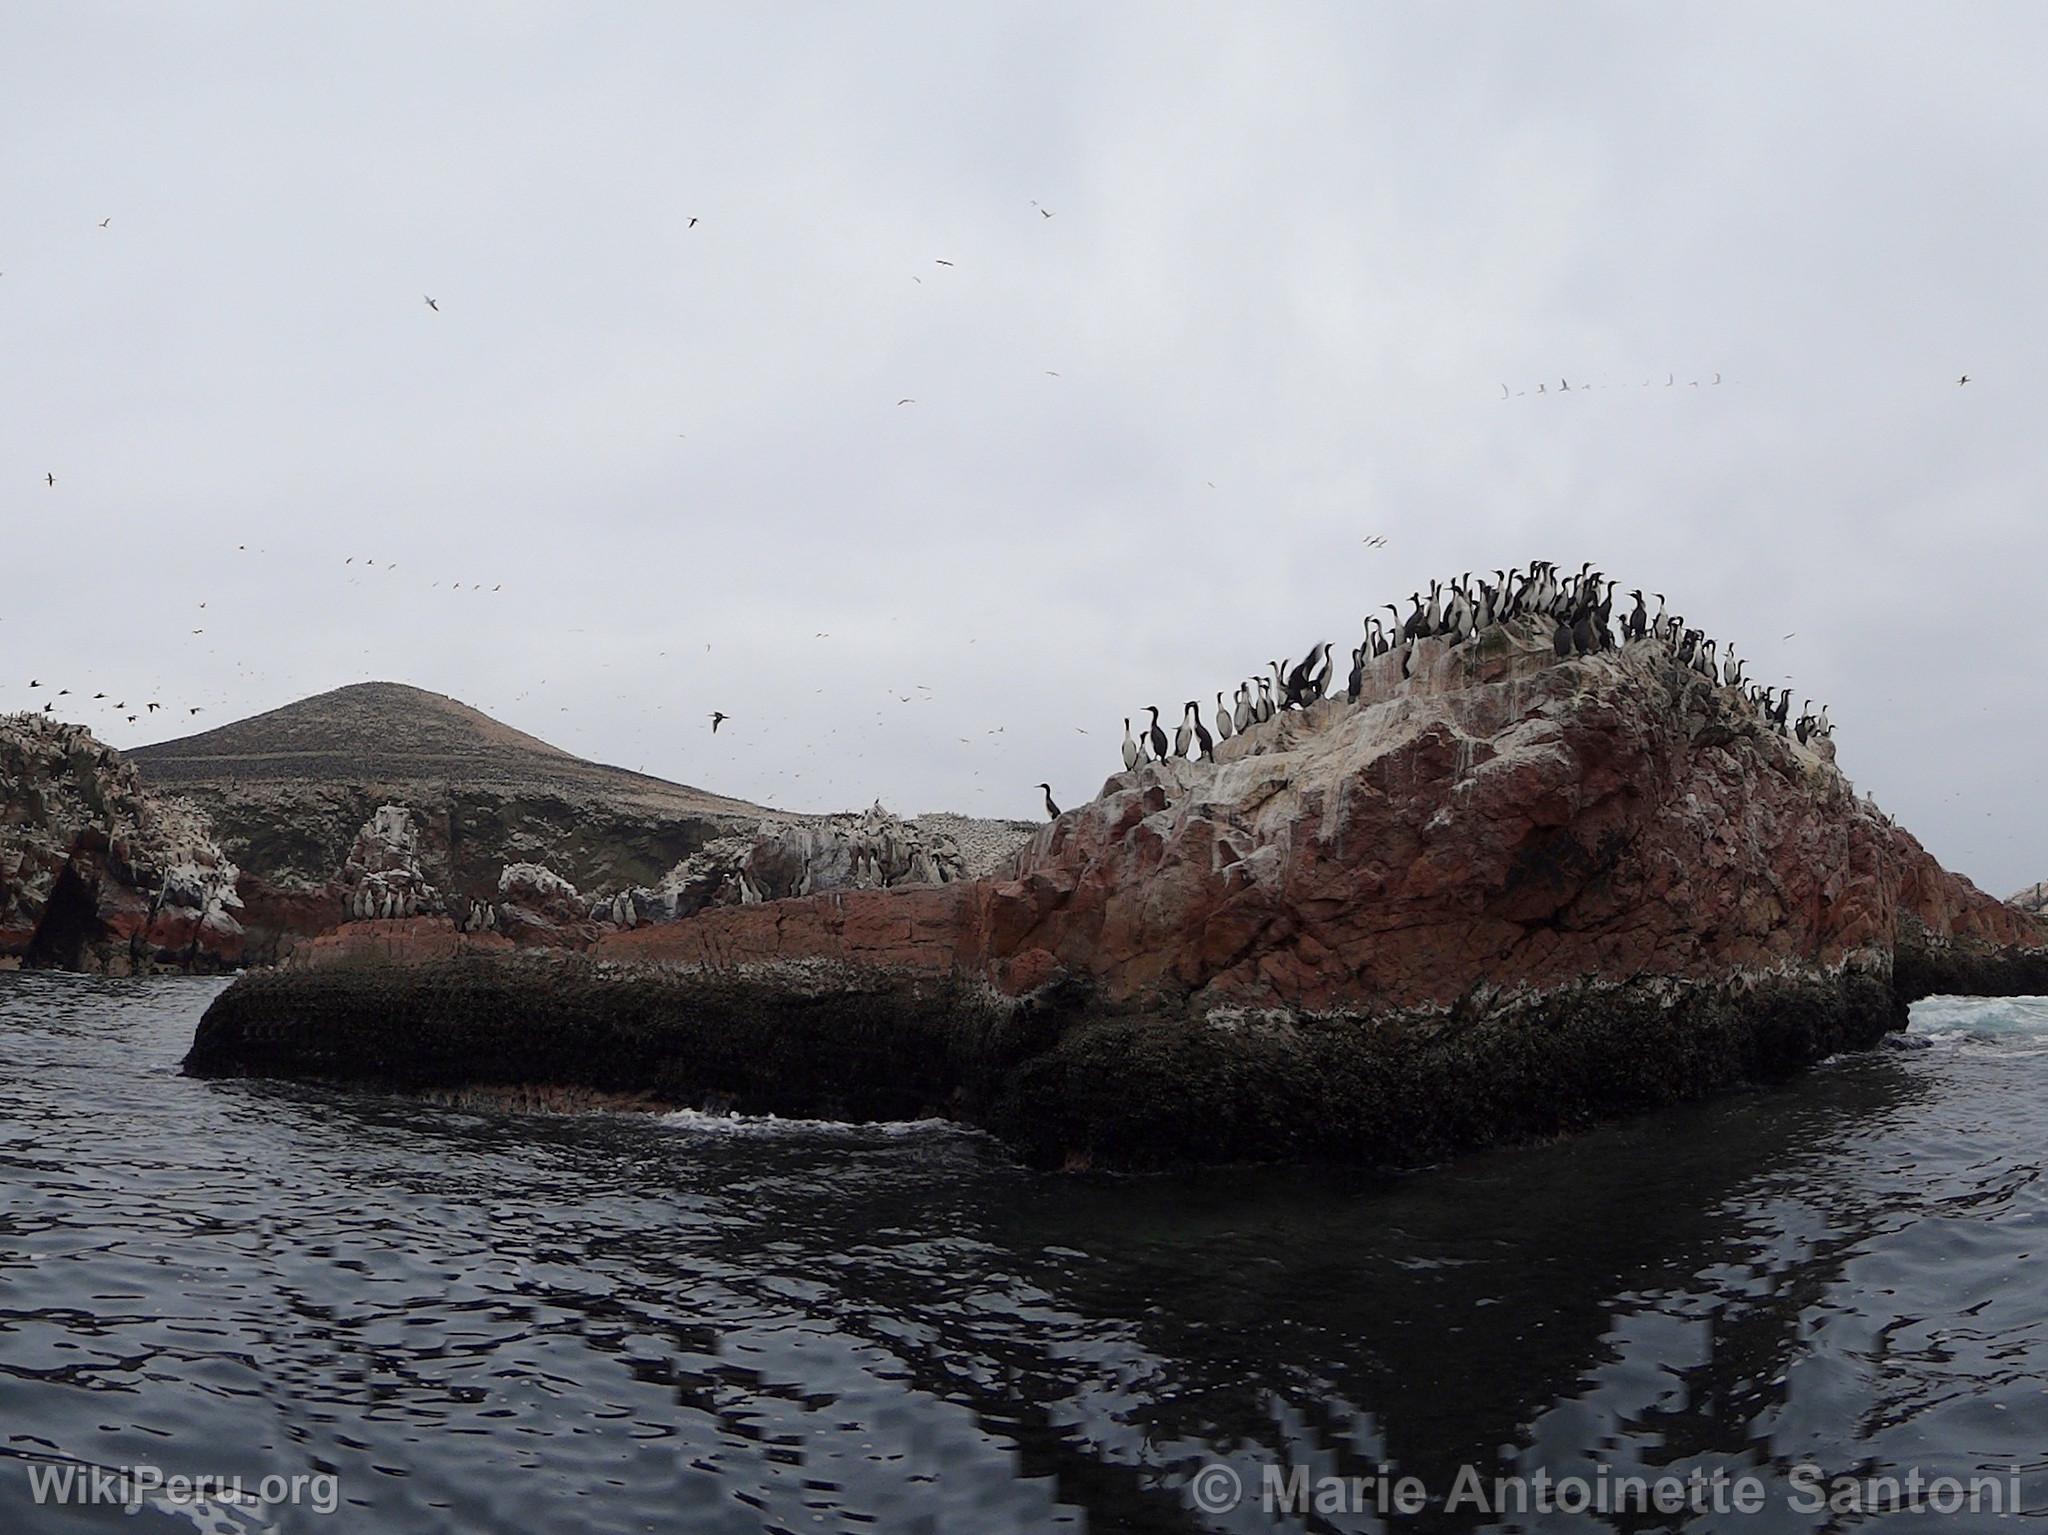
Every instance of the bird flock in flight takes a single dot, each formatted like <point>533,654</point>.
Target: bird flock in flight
<point>1577,609</point>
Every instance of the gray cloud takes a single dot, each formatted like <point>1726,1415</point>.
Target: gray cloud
<point>1294,253</point>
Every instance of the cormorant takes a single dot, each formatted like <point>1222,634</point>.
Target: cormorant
<point>1052,811</point>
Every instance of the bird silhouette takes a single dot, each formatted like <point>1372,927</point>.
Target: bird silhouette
<point>717,719</point>
<point>431,304</point>
<point>691,225</point>
<point>906,402</point>
<point>106,221</point>
<point>51,478</point>
<point>1963,380</point>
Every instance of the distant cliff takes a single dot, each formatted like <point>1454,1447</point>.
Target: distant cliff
<point>289,792</point>
<point>382,804</point>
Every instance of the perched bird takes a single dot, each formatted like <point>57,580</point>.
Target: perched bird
<point>1155,735</point>
<point>1130,746</point>
<point>1052,811</point>
<point>718,719</point>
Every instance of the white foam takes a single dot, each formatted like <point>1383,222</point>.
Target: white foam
<point>699,1122</point>
<point>1949,1019</point>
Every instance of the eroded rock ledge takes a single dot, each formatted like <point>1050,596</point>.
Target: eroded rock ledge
<point>1508,896</point>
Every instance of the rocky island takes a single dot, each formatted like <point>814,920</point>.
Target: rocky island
<point>1510,890</point>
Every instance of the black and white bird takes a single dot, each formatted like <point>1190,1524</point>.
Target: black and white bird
<point>1130,747</point>
<point>1224,727</point>
<point>1183,733</point>
<point>1154,735</point>
<point>1052,811</point>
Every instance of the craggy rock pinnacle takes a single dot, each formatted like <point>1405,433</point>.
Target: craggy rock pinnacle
<point>382,876</point>
<point>2032,900</point>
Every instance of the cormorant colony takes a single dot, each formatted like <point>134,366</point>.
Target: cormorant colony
<point>1580,611</point>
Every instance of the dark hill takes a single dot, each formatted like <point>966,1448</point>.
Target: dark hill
<point>288,790</point>
<point>389,732</point>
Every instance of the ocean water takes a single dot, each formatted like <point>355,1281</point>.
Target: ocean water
<point>440,1319</point>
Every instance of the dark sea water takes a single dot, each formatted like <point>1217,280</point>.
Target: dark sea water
<point>484,1321</point>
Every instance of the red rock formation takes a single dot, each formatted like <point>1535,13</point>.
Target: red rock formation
<point>1500,819</point>
<point>393,940</point>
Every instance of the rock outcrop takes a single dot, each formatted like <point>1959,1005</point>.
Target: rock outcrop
<point>1498,821</point>
<point>2033,900</point>
<point>1506,894</point>
<point>381,876</point>
<point>96,874</point>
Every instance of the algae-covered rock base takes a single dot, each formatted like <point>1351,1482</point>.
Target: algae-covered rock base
<point>1060,1076</point>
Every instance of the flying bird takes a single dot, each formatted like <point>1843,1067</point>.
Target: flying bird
<point>106,221</point>
<point>1043,212</point>
<point>431,304</point>
<point>717,719</point>
<point>193,711</point>
<point>1963,380</point>
<point>691,225</point>
<point>51,478</point>
<point>942,261</point>
<point>906,402</point>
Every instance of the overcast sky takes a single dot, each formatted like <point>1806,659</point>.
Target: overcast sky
<point>1295,252</point>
